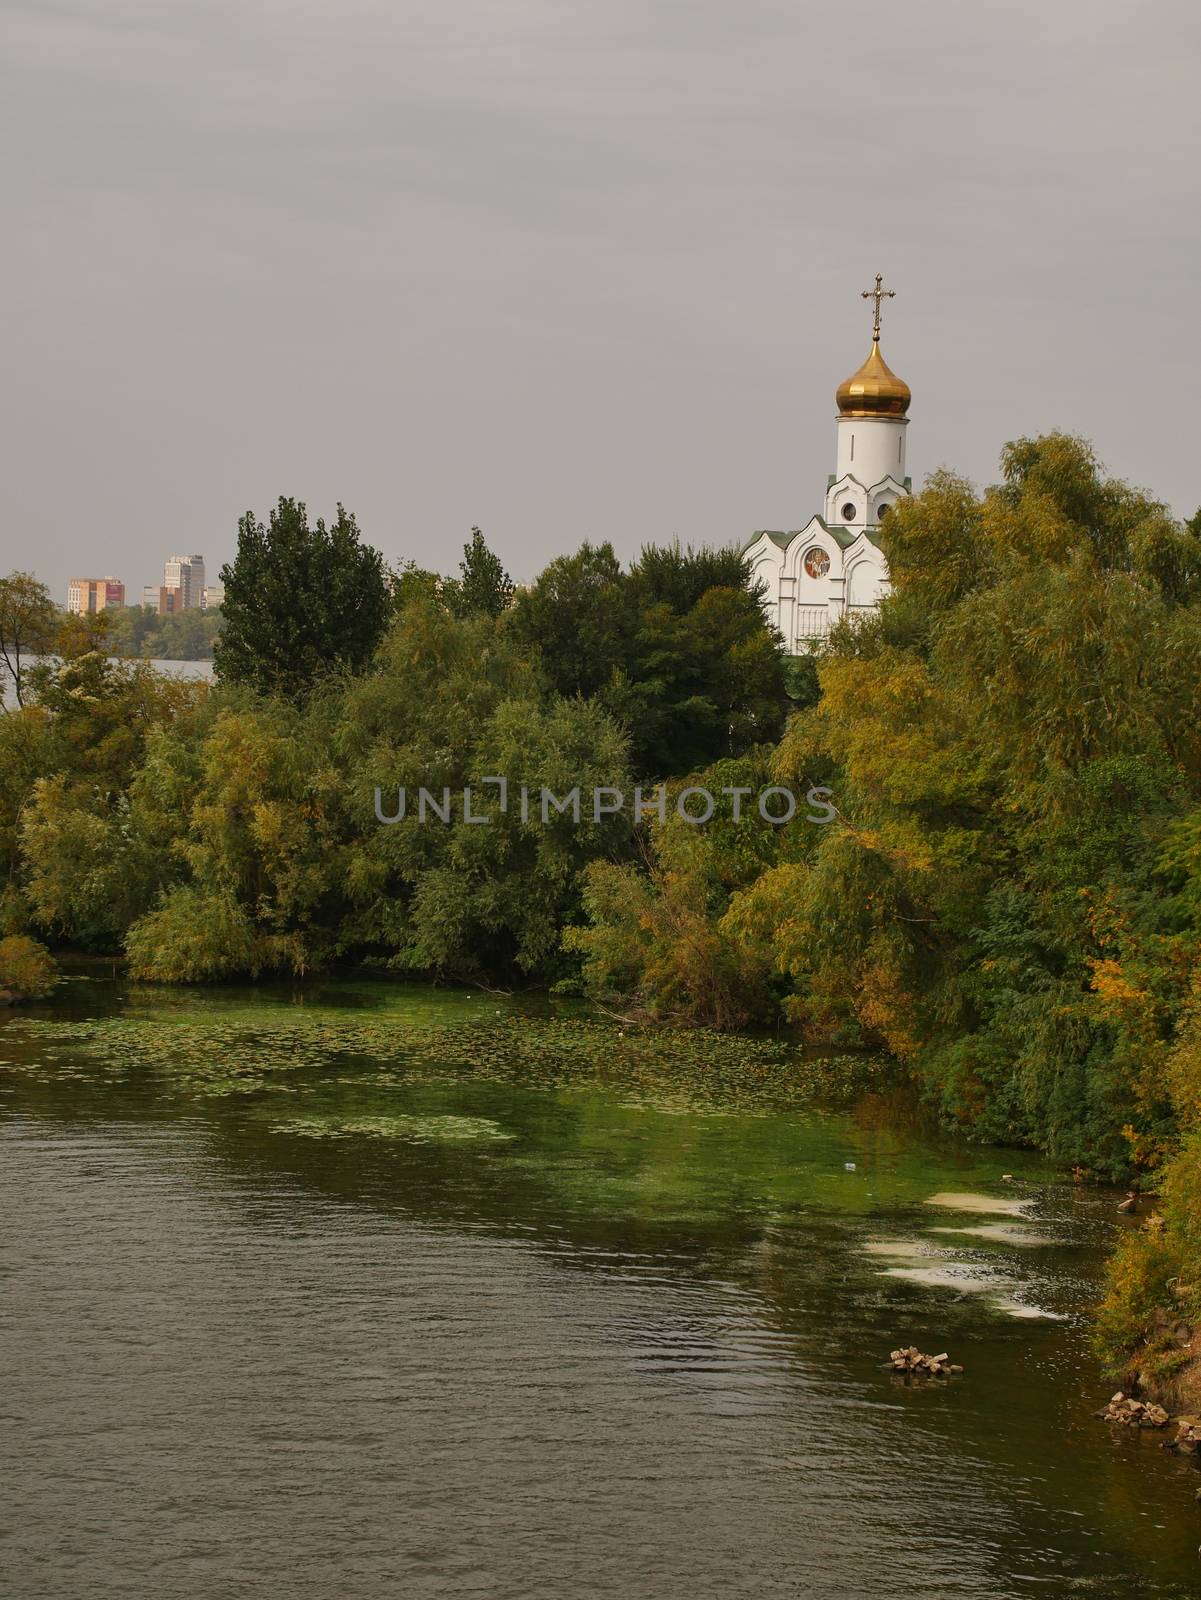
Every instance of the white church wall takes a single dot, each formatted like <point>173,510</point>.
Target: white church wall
<point>814,562</point>
<point>867,579</point>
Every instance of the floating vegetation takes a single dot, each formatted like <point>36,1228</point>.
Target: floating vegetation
<point>219,1056</point>
<point>416,1130</point>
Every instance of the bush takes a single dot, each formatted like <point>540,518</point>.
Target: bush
<point>27,969</point>
<point>196,936</point>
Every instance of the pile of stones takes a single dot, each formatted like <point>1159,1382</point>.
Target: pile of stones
<point>1188,1438</point>
<point>910,1359</point>
<point>1134,1413</point>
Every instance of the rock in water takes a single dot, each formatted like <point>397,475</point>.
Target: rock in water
<point>1188,1439</point>
<point>911,1359</point>
<point>1134,1413</point>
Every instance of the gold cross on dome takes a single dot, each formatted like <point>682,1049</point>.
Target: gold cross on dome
<point>877,294</point>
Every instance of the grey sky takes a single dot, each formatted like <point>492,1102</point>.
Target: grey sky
<point>574,270</point>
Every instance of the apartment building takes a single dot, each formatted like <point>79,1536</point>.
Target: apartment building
<point>86,596</point>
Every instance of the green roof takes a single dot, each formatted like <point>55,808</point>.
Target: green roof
<point>841,536</point>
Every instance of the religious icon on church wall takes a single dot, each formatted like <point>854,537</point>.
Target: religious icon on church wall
<point>817,562</point>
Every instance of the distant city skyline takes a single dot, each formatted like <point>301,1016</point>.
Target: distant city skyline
<point>182,587</point>
<point>571,272</point>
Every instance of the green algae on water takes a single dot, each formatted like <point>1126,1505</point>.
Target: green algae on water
<point>414,1129</point>
<point>267,1051</point>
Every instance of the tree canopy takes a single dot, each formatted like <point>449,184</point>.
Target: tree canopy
<point>300,602</point>
<point>677,649</point>
<point>28,624</point>
<point>483,587</point>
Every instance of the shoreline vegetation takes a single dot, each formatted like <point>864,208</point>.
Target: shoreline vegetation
<point>140,634</point>
<point>1007,903</point>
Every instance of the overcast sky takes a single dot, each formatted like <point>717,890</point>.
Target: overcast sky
<point>574,270</point>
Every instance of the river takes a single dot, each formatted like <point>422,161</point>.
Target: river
<point>360,1290</point>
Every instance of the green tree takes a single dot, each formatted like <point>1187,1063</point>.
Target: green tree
<point>409,582</point>
<point>82,777</point>
<point>179,636</point>
<point>28,623</point>
<point>453,702</point>
<point>688,666</point>
<point>300,602</point>
<point>27,970</point>
<point>580,615</point>
<point>1009,742</point>
<point>483,588</point>
<point>677,576</point>
<point>702,685</point>
<point>661,939</point>
<point>135,627</point>
<point>259,843</point>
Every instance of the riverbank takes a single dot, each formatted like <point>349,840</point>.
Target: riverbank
<point>1164,1366</point>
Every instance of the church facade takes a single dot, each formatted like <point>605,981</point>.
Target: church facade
<point>834,567</point>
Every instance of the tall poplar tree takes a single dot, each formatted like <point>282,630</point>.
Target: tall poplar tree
<point>300,602</point>
<point>484,587</point>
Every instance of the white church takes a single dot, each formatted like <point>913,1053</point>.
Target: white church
<point>833,567</point>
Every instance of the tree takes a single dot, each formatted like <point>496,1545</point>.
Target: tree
<point>678,576</point>
<point>662,940</point>
<point>409,582</point>
<point>28,620</point>
<point>453,702</point>
<point>580,615</point>
<point>27,970</point>
<point>135,629</point>
<point>687,664</point>
<point>300,602</point>
<point>78,634</point>
<point>485,588</point>
<point>261,834</point>
<point>703,684</point>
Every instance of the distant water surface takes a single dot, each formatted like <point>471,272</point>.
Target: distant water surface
<point>177,669</point>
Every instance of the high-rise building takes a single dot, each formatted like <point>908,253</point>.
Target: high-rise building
<point>212,596</point>
<point>185,574</point>
<point>86,596</point>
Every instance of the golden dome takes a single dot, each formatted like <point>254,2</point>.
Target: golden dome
<point>874,391</point>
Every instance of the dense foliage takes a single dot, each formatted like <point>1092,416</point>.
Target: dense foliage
<point>27,969</point>
<point>1008,899</point>
<point>213,834</point>
<point>300,602</point>
<point>483,587</point>
<point>675,648</point>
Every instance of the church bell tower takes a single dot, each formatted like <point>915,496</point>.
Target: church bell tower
<point>834,567</point>
<point>869,472</point>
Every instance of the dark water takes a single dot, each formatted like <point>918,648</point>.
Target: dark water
<point>588,1336</point>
